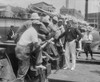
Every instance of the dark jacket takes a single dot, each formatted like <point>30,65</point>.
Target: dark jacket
<point>9,35</point>
<point>71,34</point>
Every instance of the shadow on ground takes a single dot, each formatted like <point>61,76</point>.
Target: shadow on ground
<point>60,81</point>
<point>96,72</point>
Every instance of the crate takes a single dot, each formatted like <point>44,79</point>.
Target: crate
<point>37,75</point>
<point>2,53</point>
<point>55,64</point>
<point>48,70</point>
<point>62,61</point>
<point>33,72</point>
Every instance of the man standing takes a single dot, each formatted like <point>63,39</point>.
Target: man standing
<point>27,42</point>
<point>87,39</point>
<point>10,33</point>
<point>72,34</point>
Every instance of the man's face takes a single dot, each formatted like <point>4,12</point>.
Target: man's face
<point>60,23</point>
<point>69,24</point>
<point>54,21</point>
<point>88,32</point>
<point>75,25</point>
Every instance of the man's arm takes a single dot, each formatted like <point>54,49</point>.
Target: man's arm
<point>79,35</point>
<point>62,35</point>
<point>44,29</point>
<point>41,36</point>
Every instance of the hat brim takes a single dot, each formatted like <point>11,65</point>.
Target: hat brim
<point>37,18</point>
<point>36,22</point>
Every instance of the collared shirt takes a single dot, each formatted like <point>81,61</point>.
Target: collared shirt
<point>52,26</point>
<point>29,36</point>
<point>71,33</point>
<point>59,31</point>
<point>88,37</point>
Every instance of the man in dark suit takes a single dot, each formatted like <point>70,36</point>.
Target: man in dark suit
<point>72,35</point>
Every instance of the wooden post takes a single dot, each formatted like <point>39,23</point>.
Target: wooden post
<point>86,10</point>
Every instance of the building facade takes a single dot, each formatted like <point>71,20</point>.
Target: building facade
<point>6,22</point>
<point>72,12</point>
<point>5,10</point>
<point>11,11</point>
<point>43,5</point>
<point>94,19</point>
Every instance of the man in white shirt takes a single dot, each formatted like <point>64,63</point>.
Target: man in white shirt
<point>87,39</point>
<point>27,42</point>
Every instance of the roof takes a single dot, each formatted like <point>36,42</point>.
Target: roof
<point>43,11</point>
<point>14,18</point>
<point>44,3</point>
<point>63,7</point>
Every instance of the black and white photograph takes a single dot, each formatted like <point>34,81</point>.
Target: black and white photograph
<point>49,40</point>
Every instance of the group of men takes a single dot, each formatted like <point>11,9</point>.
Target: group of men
<point>29,38</point>
<point>32,33</point>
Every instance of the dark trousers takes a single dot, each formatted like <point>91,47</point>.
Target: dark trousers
<point>87,49</point>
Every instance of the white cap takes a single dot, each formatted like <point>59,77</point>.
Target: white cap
<point>89,28</point>
<point>46,19</point>
<point>60,20</point>
<point>55,18</point>
<point>35,16</point>
<point>36,22</point>
<point>66,21</point>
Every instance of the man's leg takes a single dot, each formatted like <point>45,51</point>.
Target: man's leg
<point>90,51</point>
<point>24,61</point>
<point>23,68</point>
<point>86,50</point>
<point>39,60</point>
<point>72,46</point>
<point>67,56</point>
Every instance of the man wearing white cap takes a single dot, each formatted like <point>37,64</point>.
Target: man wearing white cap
<point>87,39</point>
<point>27,42</point>
<point>72,35</point>
<point>53,25</point>
<point>26,25</point>
<point>55,22</point>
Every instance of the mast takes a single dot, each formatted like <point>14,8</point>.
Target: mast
<point>86,10</point>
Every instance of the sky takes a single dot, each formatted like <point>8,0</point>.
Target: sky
<point>77,4</point>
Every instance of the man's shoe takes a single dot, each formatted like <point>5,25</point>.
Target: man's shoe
<point>73,68</point>
<point>92,59</point>
<point>86,58</point>
<point>66,68</point>
<point>40,66</point>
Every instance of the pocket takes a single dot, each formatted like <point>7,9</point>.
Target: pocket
<point>21,52</point>
<point>27,50</point>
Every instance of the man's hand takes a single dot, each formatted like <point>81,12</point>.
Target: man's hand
<point>41,36</point>
<point>76,40</point>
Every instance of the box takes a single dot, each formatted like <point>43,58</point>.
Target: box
<point>48,70</point>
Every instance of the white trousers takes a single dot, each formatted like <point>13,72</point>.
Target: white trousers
<point>70,49</point>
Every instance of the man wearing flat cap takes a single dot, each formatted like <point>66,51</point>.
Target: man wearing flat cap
<point>26,43</point>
